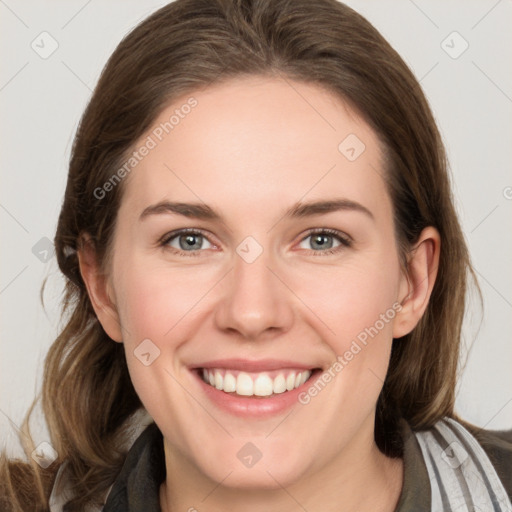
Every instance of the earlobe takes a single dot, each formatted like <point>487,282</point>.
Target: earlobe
<point>98,289</point>
<point>417,285</point>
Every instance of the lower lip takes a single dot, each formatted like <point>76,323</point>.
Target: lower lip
<point>254,406</point>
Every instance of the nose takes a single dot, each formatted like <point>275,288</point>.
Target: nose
<point>256,302</point>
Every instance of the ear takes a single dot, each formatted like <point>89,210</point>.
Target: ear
<point>418,282</point>
<point>99,289</point>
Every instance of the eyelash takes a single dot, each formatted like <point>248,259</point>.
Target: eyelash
<point>344,240</point>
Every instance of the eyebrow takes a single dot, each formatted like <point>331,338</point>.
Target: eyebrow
<point>299,210</point>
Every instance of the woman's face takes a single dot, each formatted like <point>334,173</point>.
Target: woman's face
<point>250,294</point>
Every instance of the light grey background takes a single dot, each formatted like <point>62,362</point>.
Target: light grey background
<point>41,100</point>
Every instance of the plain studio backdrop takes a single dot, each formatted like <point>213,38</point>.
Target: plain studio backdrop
<point>52,54</point>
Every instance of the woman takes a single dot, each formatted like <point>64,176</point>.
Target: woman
<point>262,254</point>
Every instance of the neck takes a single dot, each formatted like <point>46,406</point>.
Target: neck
<point>356,479</point>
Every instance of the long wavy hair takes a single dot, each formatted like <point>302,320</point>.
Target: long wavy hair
<point>87,395</point>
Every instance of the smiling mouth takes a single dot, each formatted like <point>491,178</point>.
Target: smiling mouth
<point>258,385</point>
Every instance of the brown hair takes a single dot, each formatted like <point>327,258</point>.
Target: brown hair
<point>87,395</point>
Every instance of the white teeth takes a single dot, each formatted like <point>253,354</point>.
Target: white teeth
<point>279,384</point>
<point>262,384</point>
<point>244,384</point>
<point>290,382</point>
<point>229,383</point>
<point>219,380</point>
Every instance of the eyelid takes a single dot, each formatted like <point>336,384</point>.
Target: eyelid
<point>344,237</point>
<point>167,237</point>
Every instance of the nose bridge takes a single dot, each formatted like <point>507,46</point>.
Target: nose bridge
<point>253,282</point>
<point>255,300</point>
<point>251,267</point>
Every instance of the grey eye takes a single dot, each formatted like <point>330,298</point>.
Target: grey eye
<point>188,241</point>
<point>320,241</point>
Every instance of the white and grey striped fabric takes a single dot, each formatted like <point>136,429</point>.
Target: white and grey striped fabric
<point>462,478</point>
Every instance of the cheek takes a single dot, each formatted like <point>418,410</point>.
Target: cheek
<point>353,307</point>
<point>157,313</point>
<point>154,300</point>
<point>351,299</point>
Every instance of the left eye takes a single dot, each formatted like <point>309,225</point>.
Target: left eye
<point>324,240</point>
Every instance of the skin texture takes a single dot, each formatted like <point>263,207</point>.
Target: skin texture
<point>251,149</point>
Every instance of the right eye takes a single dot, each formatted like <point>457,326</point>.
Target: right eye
<point>185,242</point>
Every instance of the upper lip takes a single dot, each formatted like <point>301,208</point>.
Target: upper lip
<point>249,365</point>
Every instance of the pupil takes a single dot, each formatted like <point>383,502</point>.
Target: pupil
<point>321,240</point>
<point>189,241</point>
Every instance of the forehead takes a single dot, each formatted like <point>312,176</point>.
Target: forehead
<point>257,141</point>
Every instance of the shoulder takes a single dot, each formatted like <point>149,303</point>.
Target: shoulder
<point>467,465</point>
<point>497,445</point>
